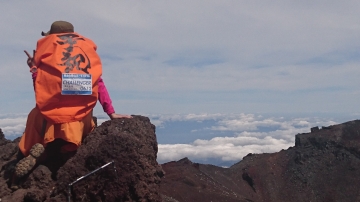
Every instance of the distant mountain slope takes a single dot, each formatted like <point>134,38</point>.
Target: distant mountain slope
<point>324,165</point>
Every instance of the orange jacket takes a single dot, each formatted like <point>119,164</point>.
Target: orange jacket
<point>59,58</point>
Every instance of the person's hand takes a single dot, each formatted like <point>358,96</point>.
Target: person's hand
<point>118,116</point>
<point>30,61</point>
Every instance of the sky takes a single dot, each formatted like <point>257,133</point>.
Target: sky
<point>281,63</point>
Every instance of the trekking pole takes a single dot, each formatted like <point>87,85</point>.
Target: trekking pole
<point>85,176</point>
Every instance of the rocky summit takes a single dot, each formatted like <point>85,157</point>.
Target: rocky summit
<point>127,146</point>
<point>324,165</point>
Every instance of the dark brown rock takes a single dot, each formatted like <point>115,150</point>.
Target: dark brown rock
<point>324,165</point>
<point>129,143</point>
<point>187,181</point>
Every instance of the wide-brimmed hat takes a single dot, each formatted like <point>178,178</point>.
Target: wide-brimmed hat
<point>59,27</point>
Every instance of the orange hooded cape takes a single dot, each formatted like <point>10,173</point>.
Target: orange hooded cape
<point>65,53</point>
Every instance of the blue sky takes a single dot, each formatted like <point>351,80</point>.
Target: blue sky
<point>295,59</point>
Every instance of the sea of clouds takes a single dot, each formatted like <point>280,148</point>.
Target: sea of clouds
<point>221,139</point>
<point>233,136</point>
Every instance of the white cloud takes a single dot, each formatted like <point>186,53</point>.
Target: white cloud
<point>246,122</point>
<point>224,148</point>
<point>246,139</point>
<point>159,119</point>
<point>14,126</point>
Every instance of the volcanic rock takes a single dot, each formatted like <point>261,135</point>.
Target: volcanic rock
<point>122,152</point>
<point>324,165</point>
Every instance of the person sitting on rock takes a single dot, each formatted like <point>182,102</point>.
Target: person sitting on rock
<point>66,72</point>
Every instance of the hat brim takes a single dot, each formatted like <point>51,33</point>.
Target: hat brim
<point>45,33</point>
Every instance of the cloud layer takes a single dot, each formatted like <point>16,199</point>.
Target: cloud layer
<point>232,137</point>
<point>249,134</point>
<point>201,56</point>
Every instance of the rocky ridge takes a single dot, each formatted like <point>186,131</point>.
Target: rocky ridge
<point>324,165</point>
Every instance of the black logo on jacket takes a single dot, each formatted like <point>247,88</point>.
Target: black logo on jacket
<point>71,59</point>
